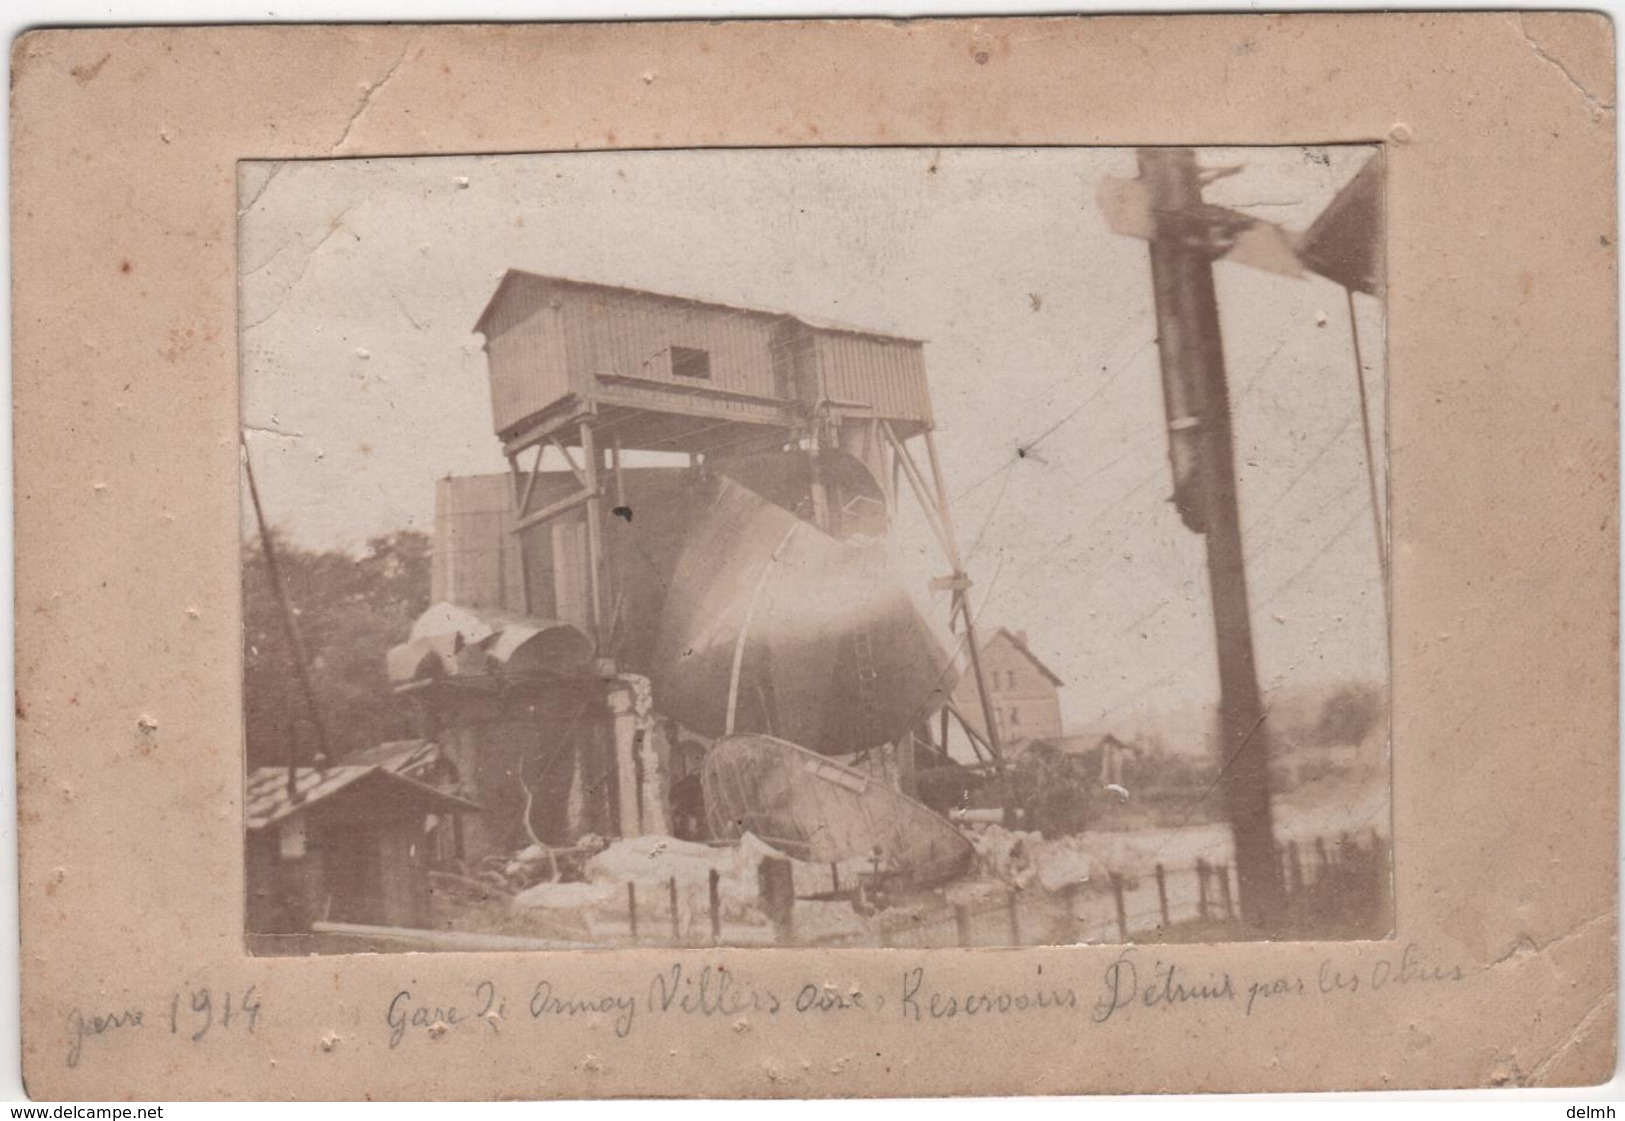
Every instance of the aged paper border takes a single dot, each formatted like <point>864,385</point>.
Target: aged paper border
<point>1502,349</point>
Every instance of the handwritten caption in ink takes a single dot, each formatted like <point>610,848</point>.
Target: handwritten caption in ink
<point>191,1013</point>
<point>1134,983</point>
<point>1129,985</point>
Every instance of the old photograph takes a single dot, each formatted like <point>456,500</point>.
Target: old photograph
<point>913,547</point>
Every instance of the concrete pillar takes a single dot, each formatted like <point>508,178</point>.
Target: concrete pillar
<point>624,723</point>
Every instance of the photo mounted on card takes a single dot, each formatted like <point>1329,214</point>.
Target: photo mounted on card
<point>612,583</point>
<point>604,586</point>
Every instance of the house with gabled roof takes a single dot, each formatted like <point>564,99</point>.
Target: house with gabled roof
<point>1023,692</point>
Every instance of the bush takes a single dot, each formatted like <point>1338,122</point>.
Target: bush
<point>1050,790</point>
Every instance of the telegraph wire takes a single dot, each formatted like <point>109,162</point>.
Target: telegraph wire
<point>1263,518</point>
<point>1341,533</point>
<point>1029,445</point>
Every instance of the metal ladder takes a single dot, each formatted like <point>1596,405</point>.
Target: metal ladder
<point>868,677</point>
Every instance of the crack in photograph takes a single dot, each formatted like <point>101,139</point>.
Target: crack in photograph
<point>814,547</point>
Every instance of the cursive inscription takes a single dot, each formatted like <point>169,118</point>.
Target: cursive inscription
<point>82,1027</point>
<point>1164,987</point>
<point>921,1000</point>
<point>194,1013</point>
<point>714,991</point>
<point>545,1001</point>
<point>435,1020</point>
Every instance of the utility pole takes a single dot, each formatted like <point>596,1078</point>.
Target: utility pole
<point>296,644</point>
<point>1186,238</point>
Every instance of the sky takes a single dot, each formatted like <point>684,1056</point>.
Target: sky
<point>363,380</point>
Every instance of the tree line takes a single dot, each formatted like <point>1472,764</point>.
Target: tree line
<point>350,610</point>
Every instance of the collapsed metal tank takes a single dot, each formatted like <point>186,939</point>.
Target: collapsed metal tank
<point>775,624</point>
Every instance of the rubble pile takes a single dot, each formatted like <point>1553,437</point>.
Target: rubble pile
<point>1021,859</point>
<point>588,898</point>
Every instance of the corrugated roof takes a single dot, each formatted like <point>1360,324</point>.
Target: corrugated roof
<point>765,313</point>
<point>267,800</point>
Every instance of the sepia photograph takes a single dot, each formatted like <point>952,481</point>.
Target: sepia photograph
<point>866,547</point>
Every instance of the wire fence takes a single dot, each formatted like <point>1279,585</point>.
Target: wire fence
<point>1333,887</point>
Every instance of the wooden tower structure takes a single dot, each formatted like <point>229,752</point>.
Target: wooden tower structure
<point>582,374</point>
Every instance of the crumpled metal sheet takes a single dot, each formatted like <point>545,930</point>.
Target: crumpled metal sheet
<point>836,656</point>
<point>449,641</point>
<point>815,809</point>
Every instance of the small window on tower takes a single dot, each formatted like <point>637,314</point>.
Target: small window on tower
<point>687,362</point>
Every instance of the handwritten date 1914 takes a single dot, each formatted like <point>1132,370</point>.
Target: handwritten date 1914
<point>193,1013</point>
<point>201,1009</point>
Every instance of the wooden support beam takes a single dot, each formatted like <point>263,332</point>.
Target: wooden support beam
<point>449,940</point>
<point>978,742</point>
<point>569,460</point>
<point>922,495</point>
<point>552,510</point>
<point>530,482</point>
<point>616,467</point>
<point>962,597</point>
<point>595,536</point>
<point>943,510</point>
<point>557,417</point>
<point>894,479</point>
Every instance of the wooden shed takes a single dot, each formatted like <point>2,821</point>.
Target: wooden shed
<point>349,843</point>
<point>669,373</point>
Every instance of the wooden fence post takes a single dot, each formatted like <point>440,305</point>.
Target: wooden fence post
<point>676,926</point>
<point>1122,909</point>
<point>1223,871</point>
<point>1201,888</point>
<point>776,892</point>
<point>962,923</point>
<point>716,906</point>
<point>632,908</point>
<point>1015,916</point>
<point>1321,859</point>
<point>1296,862</point>
<point>1162,895</point>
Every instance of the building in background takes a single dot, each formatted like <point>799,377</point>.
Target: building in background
<point>1025,694</point>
